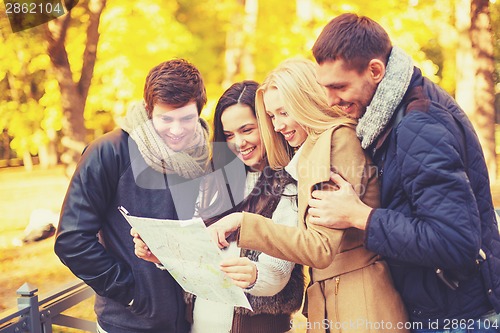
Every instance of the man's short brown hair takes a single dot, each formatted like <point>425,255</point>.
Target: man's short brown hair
<point>176,83</point>
<point>354,39</point>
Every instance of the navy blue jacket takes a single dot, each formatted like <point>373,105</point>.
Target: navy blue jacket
<point>436,208</point>
<point>93,238</point>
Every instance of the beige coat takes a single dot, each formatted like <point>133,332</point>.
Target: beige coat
<point>351,289</point>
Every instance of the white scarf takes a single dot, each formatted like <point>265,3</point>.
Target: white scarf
<point>389,93</point>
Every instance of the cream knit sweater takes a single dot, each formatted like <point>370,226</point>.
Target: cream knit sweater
<point>273,274</point>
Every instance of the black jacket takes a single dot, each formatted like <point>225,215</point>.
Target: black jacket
<point>437,210</point>
<point>93,238</point>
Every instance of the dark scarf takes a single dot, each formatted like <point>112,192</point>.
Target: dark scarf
<point>289,299</point>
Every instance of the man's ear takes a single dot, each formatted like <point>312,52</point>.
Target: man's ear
<point>377,70</point>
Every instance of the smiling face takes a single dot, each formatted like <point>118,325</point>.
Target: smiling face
<point>291,130</point>
<point>347,88</point>
<point>176,126</point>
<point>243,136</point>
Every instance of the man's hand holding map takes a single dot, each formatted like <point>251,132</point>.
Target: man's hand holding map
<point>185,249</point>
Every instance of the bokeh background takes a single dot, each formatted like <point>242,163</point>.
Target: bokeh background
<point>65,82</point>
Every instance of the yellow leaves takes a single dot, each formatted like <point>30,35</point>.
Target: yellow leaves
<point>52,120</point>
<point>51,104</point>
<point>38,63</point>
<point>430,69</point>
<point>52,94</point>
<point>137,35</point>
<point>348,7</point>
<point>149,8</point>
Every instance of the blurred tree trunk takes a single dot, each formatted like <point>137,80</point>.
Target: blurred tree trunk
<point>74,94</point>
<point>475,68</point>
<point>484,89</point>
<point>240,43</point>
<point>47,152</point>
<point>465,58</point>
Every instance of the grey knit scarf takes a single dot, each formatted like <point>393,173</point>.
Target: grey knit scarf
<point>389,93</point>
<point>189,163</point>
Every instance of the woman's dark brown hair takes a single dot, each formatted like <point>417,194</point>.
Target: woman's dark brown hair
<point>269,188</point>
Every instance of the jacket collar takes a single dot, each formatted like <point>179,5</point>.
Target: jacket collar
<point>410,100</point>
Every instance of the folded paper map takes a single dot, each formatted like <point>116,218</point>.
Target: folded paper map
<point>186,250</point>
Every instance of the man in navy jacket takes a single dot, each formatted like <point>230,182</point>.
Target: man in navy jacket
<point>436,226</point>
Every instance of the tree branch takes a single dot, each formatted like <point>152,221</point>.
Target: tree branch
<point>56,36</point>
<point>89,56</point>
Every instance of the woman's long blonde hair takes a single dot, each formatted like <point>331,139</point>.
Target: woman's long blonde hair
<point>304,100</point>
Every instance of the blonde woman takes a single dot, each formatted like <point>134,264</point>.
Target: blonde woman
<point>351,289</point>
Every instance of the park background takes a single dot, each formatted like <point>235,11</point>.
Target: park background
<point>63,83</point>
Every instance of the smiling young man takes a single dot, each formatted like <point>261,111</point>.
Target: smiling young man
<point>176,126</point>
<point>160,151</point>
<point>436,226</point>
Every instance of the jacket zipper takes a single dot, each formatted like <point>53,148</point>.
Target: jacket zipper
<point>337,283</point>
